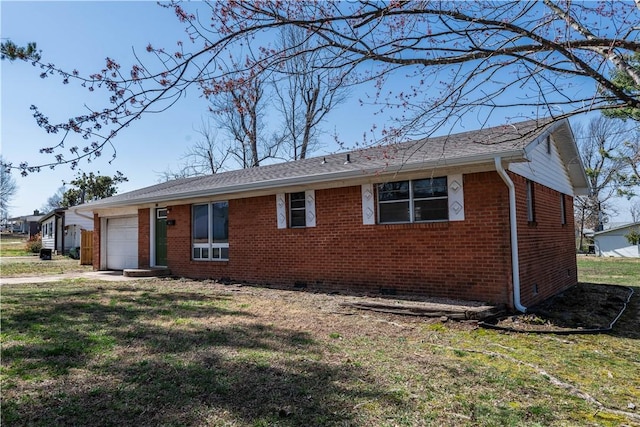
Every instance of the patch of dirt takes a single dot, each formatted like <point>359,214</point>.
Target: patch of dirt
<point>584,307</point>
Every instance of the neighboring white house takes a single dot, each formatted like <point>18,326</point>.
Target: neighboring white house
<point>25,224</point>
<point>61,229</point>
<point>614,243</point>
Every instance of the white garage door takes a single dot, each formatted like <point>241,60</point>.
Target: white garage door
<point>122,243</point>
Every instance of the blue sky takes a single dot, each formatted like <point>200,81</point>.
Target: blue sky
<point>80,35</point>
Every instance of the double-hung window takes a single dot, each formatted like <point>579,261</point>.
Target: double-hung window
<point>297,210</point>
<point>418,200</point>
<point>210,233</point>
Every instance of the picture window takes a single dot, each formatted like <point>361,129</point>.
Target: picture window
<point>210,232</point>
<point>420,200</point>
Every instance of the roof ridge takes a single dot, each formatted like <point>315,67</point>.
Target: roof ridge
<point>430,152</point>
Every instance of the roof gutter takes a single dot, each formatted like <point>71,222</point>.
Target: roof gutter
<point>75,211</point>
<point>515,265</point>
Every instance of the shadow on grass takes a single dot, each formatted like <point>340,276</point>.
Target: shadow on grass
<point>628,326</point>
<point>95,357</point>
<point>585,308</point>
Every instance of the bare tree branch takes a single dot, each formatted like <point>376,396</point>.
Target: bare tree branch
<point>454,59</point>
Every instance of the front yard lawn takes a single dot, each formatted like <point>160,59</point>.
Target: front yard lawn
<point>180,352</point>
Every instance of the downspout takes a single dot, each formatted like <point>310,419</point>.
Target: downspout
<point>514,235</point>
<point>75,211</point>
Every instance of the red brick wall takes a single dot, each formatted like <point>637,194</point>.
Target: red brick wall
<point>144,236</point>
<point>546,247</point>
<point>468,259</point>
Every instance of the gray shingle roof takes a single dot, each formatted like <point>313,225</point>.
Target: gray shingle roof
<point>452,150</point>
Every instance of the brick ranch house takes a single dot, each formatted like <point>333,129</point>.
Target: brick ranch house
<point>484,215</point>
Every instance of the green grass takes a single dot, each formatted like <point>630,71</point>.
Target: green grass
<point>178,352</point>
<point>12,245</point>
<point>612,271</point>
<point>34,266</point>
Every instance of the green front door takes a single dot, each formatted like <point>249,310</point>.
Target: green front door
<point>161,237</point>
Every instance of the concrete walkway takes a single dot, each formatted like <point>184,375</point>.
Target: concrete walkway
<point>109,276</point>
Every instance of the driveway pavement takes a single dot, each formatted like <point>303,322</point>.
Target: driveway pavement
<point>109,276</point>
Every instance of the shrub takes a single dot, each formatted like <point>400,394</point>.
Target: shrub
<point>34,244</point>
<point>634,236</point>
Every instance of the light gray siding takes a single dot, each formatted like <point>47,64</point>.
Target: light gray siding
<point>545,168</point>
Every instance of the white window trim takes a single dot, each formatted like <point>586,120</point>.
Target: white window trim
<point>368,205</point>
<point>283,209</point>
<point>455,191</point>
<point>310,208</point>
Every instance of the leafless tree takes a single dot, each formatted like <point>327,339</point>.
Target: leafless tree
<point>306,92</point>
<point>8,189</point>
<point>238,110</point>
<point>207,156</point>
<point>605,146</point>
<point>54,201</point>
<point>455,60</point>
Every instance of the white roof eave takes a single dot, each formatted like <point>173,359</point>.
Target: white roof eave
<point>516,155</point>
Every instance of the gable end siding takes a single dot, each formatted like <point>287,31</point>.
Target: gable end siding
<point>48,240</point>
<point>544,168</point>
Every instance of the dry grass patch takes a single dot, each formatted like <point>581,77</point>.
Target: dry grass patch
<point>33,266</point>
<point>178,352</point>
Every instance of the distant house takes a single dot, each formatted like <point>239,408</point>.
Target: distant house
<point>26,224</point>
<point>614,243</point>
<point>61,229</point>
<point>484,215</point>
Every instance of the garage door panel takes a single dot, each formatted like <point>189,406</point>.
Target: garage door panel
<point>122,243</point>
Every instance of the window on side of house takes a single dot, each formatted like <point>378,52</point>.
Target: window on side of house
<point>210,232</point>
<point>48,229</point>
<point>297,210</point>
<point>563,210</point>
<point>531,212</point>
<point>419,200</point>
